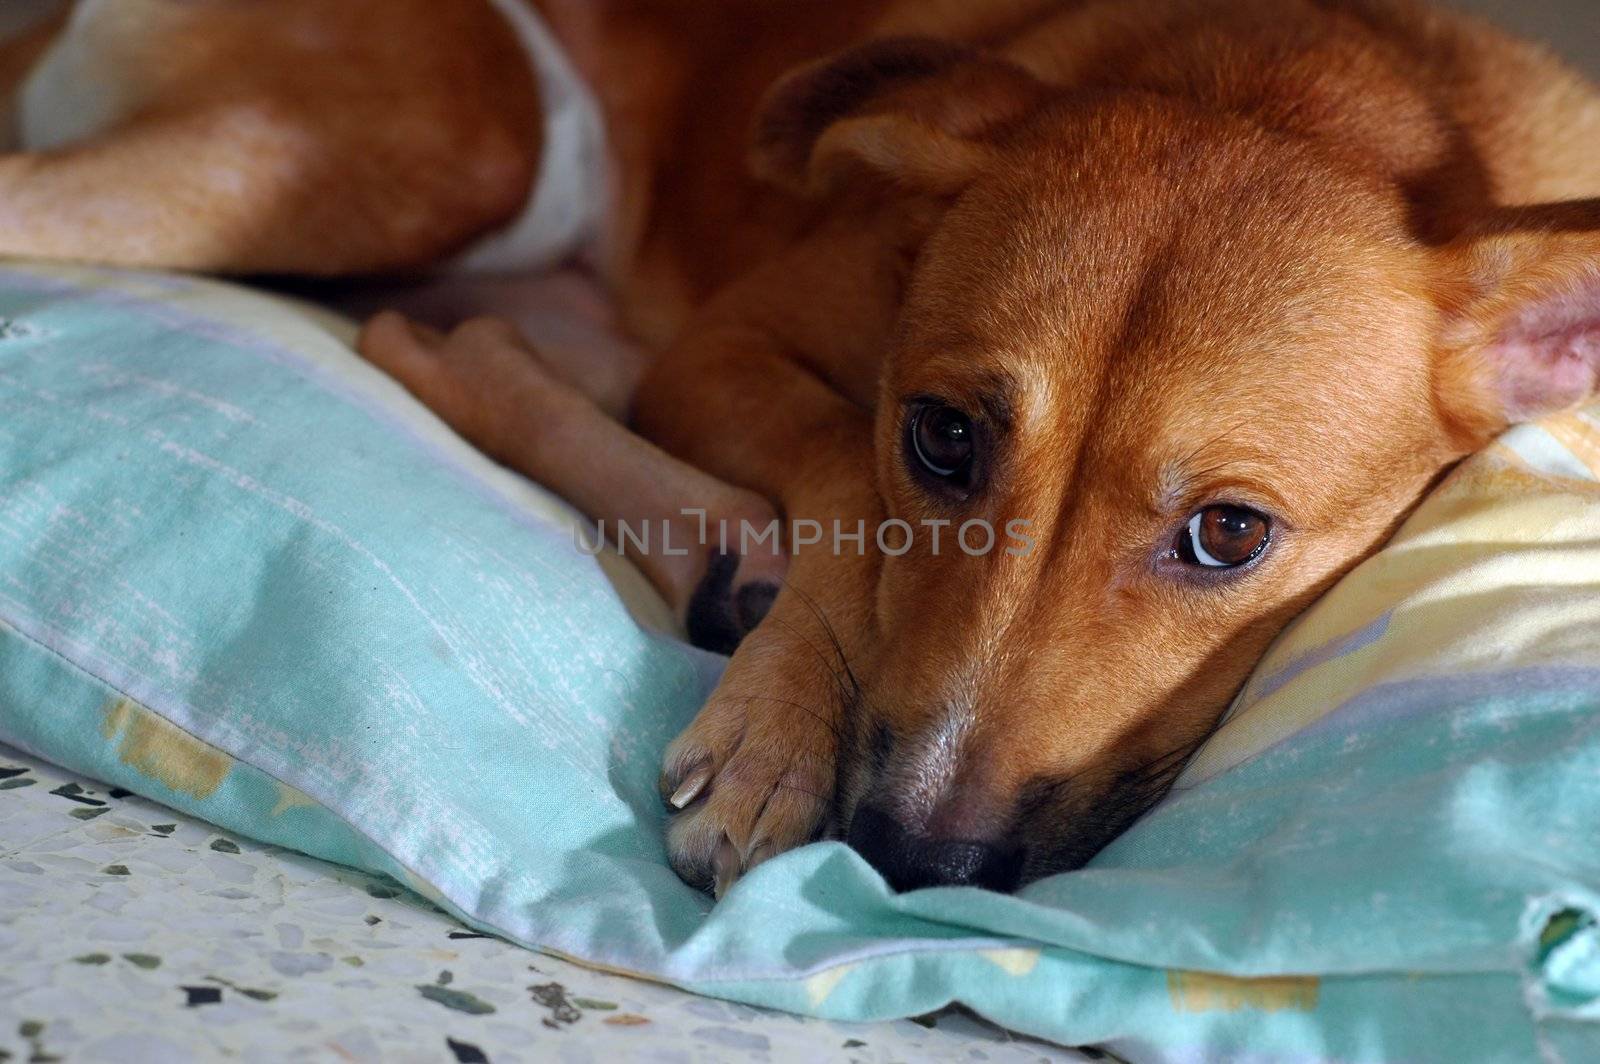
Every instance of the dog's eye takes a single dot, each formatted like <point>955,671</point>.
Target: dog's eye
<point>942,441</point>
<point>1224,537</point>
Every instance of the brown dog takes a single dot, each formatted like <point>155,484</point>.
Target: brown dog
<point>1205,293</point>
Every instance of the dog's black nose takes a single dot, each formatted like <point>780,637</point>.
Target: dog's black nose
<point>909,860</point>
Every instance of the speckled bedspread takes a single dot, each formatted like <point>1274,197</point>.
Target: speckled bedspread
<point>130,933</point>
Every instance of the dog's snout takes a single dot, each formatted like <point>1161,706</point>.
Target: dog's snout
<point>908,859</point>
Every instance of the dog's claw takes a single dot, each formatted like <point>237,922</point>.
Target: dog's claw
<point>745,782</point>
<point>726,866</point>
<point>690,788</point>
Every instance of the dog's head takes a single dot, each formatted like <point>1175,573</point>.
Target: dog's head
<point>1177,374</point>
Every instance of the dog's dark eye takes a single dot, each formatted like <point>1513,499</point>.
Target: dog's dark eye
<point>1224,537</point>
<point>942,441</point>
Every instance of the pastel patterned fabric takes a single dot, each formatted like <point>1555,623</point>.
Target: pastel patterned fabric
<point>132,934</point>
<point>243,575</point>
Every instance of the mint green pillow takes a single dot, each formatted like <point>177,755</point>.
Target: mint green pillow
<point>243,574</point>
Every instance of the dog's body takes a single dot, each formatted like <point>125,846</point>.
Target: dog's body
<point>1205,292</point>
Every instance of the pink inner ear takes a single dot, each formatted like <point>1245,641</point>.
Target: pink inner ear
<point>1548,355</point>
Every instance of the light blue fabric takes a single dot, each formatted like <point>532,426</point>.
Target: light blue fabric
<point>395,663</point>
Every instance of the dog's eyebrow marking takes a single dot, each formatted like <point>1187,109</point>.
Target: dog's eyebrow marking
<point>1172,487</point>
<point>998,408</point>
<point>1177,482</point>
<point>995,394</point>
<point>991,391</point>
<point>1178,476</point>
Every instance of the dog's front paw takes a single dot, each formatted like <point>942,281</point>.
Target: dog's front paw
<point>751,777</point>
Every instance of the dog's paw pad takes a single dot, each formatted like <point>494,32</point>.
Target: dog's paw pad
<point>725,608</point>
<point>753,602</point>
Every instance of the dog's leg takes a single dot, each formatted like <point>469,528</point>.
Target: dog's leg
<point>754,774</point>
<point>772,388</point>
<point>494,389</point>
<point>292,137</point>
<point>566,316</point>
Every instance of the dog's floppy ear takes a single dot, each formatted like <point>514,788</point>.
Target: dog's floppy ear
<point>1522,334</point>
<point>915,110</point>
